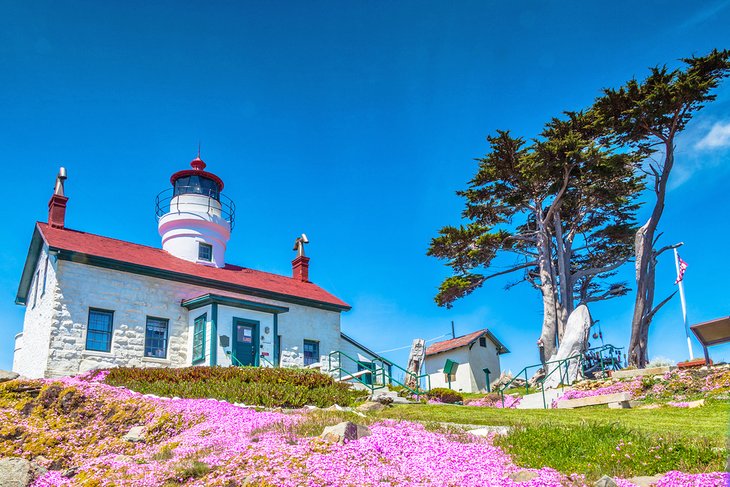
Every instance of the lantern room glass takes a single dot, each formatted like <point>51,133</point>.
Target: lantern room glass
<point>197,185</point>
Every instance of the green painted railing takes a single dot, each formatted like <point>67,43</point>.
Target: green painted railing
<point>379,372</point>
<point>562,368</point>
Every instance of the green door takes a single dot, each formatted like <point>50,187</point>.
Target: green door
<point>245,344</point>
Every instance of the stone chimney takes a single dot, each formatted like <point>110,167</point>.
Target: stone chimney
<point>300,268</point>
<point>57,204</point>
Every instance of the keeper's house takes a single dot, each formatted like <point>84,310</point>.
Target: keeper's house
<point>459,363</point>
<point>96,302</point>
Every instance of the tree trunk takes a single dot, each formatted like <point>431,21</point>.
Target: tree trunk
<point>563,257</point>
<point>549,295</point>
<point>645,264</point>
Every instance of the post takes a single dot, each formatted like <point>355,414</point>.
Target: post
<point>453,331</point>
<point>489,387</point>
<point>680,283</point>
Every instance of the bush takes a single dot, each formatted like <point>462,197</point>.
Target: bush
<point>447,396</point>
<point>258,386</point>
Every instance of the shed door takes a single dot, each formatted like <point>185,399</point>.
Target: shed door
<point>246,343</point>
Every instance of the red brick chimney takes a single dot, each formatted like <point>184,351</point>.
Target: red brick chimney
<point>300,268</point>
<point>57,204</point>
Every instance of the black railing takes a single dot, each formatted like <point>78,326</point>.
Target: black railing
<point>219,203</point>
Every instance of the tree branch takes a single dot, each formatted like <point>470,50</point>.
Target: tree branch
<point>651,314</point>
<point>516,268</point>
<point>668,247</point>
<point>598,270</point>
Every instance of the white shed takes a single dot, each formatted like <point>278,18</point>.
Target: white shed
<point>459,363</point>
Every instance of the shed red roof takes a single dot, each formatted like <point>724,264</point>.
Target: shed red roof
<point>112,249</point>
<point>465,340</point>
<point>454,343</point>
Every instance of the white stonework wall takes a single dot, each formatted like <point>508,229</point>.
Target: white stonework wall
<point>464,381</point>
<point>53,342</point>
<point>132,298</point>
<point>41,315</point>
<point>305,323</point>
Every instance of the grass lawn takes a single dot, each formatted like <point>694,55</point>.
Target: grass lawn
<point>596,441</point>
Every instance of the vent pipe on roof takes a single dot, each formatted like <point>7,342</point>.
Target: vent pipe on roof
<point>57,204</point>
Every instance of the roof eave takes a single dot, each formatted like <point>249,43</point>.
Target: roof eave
<point>26,278</point>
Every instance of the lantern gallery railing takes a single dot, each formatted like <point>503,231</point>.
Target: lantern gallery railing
<point>211,202</point>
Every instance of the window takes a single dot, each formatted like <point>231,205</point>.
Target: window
<point>483,342</point>
<point>205,252</point>
<point>199,339</point>
<point>45,277</point>
<point>99,330</point>
<point>155,338</point>
<point>311,352</point>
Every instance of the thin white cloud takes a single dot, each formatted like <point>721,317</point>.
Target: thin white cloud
<point>717,138</point>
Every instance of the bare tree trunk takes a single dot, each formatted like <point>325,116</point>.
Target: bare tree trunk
<point>645,266</point>
<point>563,257</point>
<point>549,294</point>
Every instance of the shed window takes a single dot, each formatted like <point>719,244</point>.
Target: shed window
<point>199,339</point>
<point>483,342</point>
<point>311,352</point>
<point>99,330</point>
<point>205,252</point>
<point>155,340</point>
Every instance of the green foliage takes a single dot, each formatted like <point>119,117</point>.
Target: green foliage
<point>612,449</point>
<point>260,386</point>
<point>445,395</point>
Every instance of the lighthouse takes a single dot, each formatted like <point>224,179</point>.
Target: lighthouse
<point>195,219</point>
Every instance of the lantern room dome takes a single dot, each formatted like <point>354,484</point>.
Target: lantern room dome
<point>197,181</point>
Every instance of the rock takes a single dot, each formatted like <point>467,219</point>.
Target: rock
<point>646,481</point>
<point>344,432</point>
<point>123,459</point>
<point>696,404</point>
<point>385,400</point>
<point>370,406</point>
<point>18,472</point>
<point>523,475</point>
<point>136,434</point>
<point>70,472</point>
<point>605,481</point>
<point>573,343</point>
<point>337,407</point>
<point>6,375</point>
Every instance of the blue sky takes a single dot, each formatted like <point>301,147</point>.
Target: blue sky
<point>354,122</point>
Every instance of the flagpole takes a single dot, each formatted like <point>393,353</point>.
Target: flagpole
<point>680,283</point>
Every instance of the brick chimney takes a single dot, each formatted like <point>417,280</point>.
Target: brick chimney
<point>300,268</point>
<point>57,204</point>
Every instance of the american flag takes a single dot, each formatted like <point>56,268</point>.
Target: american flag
<point>682,268</point>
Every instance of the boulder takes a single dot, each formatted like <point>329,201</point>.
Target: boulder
<point>605,481</point>
<point>135,435</point>
<point>370,406</point>
<point>573,343</point>
<point>646,481</point>
<point>6,375</point>
<point>18,472</point>
<point>523,475</point>
<point>344,432</point>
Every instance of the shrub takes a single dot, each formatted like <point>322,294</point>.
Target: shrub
<point>258,386</point>
<point>444,395</point>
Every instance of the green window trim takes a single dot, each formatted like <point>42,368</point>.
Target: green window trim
<point>199,338</point>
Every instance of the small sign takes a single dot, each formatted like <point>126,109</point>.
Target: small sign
<point>450,367</point>
<point>264,354</point>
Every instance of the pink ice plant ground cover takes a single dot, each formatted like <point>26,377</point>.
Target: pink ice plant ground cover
<point>240,443</point>
<point>495,401</point>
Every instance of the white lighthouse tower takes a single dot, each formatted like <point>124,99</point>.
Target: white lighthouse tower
<point>195,219</point>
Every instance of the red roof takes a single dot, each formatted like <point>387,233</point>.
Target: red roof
<point>457,342</point>
<point>158,259</point>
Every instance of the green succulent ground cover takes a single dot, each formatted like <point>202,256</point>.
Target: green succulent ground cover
<point>258,386</point>
<point>597,440</point>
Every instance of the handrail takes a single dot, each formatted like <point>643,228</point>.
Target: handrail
<point>227,206</point>
<point>376,371</point>
<point>541,381</point>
